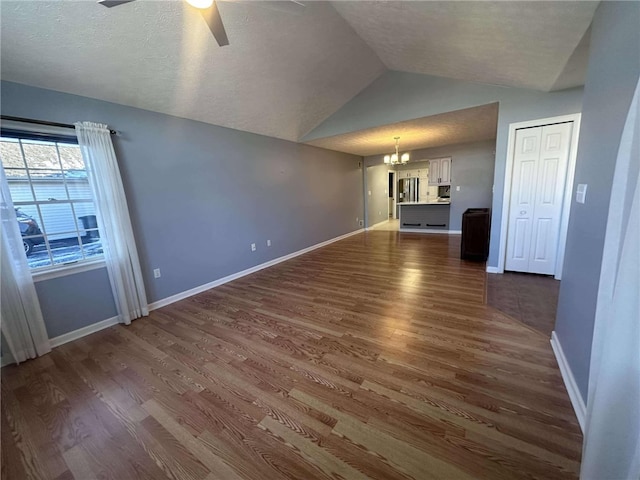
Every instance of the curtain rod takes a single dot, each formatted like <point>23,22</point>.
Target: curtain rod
<point>43,122</point>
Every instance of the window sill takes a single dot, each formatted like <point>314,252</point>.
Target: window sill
<point>64,270</point>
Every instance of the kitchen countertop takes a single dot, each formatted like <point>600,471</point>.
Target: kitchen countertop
<point>425,203</point>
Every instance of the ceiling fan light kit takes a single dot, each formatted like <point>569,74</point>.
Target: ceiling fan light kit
<point>396,158</point>
<point>202,4</point>
<point>207,8</point>
<point>209,11</point>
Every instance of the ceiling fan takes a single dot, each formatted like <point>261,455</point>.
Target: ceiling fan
<point>209,11</point>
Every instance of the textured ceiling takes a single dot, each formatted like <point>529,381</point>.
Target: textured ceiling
<point>287,68</point>
<point>281,75</point>
<point>518,43</point>
<point>462,126</point>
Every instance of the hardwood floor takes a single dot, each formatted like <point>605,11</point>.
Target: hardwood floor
<point>530,298</point>
<point>374,357</point>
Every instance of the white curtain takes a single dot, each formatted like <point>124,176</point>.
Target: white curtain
<point>113,219</point>
<point>612,432</point>
<point>21,319</point>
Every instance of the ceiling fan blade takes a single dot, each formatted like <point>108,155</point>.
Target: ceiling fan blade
<point>214,20</point>
<point>114,3</point>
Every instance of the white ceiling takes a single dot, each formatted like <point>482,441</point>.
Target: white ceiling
<point>513,43</point>
<point>462,126</point>
<point>283,73</point>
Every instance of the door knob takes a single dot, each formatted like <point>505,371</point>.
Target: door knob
<point>523,212</point>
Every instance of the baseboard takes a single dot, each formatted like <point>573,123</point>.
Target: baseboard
<point>4,361</point>
<point>96,327</point>
<point>492,269</point>
<point>569,381</point>
<point>234,276</point>
<point>376,225</point>
<point>427,230</point>
<point>71,336</point>
<point>82,332</point>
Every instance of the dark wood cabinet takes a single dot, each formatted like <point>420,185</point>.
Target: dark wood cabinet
<point>476,224</point>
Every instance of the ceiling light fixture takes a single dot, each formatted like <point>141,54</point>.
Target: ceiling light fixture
<point>396,158</point>
<point>202,4</point>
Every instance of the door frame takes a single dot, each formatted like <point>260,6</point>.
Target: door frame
<point>395,193</point>
<point>568,188</point>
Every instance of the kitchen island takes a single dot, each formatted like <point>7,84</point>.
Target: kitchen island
<point>425,217</point>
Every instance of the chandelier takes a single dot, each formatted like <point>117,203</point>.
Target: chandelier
<point>396,159</point>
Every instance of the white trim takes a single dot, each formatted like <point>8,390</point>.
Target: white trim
<point>221,281</point>
<point>492,269</point>
<point>568,196</point>
<point>569,381</point>
<point>109,322</point>
<point>71,336</point>
<point>395,191</point>
<point>430,230</point>
<point>508,173</point>
<point>82,332</point>
<point>376,225</point>
<point>63,271</point>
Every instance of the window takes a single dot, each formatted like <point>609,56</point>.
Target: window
<point>51,193</point>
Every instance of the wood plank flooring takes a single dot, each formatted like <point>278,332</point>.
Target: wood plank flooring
<point>374,357</point>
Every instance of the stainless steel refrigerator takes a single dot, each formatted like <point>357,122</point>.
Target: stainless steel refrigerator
<point>408,190</point>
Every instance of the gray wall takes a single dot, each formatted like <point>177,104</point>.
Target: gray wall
<point>614,67</point>
<point>199,195</point>
<point>377,194</point>
<point>472,166</point>
<point>73,301</point>
<point>397,96</point>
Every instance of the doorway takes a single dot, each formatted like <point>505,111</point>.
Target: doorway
<point>392,195</point>
<point>537,195</point>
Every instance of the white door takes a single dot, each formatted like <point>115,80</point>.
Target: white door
<point>539,173</point>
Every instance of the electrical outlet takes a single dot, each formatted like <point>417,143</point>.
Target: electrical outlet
<point>361,223</point>
<point>268,243</point>
<point>457,188</point>
<point>253,247</point>
<point>156,273</point>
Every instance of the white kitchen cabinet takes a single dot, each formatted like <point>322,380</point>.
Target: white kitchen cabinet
<point>408,174</point>
<point>434,171</point>
<point>423,190</point>
<point>445,171</point>
<point>440,171</point>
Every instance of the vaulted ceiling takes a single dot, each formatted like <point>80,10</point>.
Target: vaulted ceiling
<point>517,44</point>
<point>285,70</point>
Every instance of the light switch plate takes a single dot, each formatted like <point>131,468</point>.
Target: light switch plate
<point>581,193</point>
